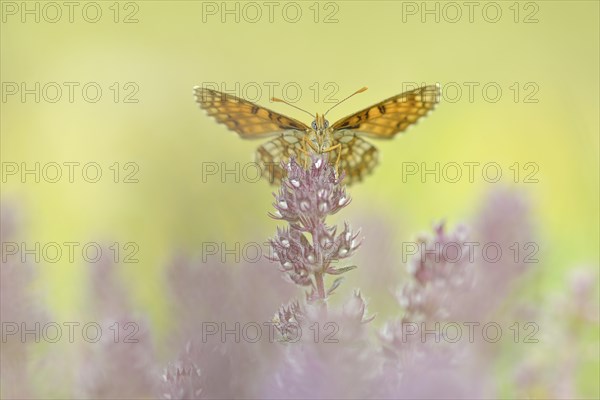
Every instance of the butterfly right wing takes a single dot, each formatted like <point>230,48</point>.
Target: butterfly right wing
<point>270,154</point>
<point>247,119</point>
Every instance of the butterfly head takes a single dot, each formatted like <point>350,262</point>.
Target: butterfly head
<point>320,124</point>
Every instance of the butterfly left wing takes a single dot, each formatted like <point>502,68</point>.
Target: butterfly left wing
<point>246,118</point>
<point>389,117</point>
<point>358,157</point>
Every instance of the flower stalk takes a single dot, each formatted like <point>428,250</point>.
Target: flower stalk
<point>305,199</point>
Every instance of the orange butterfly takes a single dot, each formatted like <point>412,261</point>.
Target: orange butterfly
<point>343,139</point>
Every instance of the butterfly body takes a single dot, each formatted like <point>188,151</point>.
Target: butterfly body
<point>320,135</point>
<point>352,154</point>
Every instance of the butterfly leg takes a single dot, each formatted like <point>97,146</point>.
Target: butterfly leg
<point>339,154</point>
<point>305,152</point>
<point>305,144</point>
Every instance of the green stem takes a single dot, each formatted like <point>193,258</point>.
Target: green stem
<point>321,291</point>
<point>319,276</point>
<point>320,285</point>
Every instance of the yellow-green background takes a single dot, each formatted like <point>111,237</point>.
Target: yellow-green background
<point>171,49</point>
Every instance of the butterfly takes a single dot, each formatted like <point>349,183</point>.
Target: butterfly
<point>344,139</point>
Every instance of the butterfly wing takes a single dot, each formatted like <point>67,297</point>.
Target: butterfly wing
<point>247,119</point>
<point>270,154</point>
<point>389,117</point>
<point>358,157</point>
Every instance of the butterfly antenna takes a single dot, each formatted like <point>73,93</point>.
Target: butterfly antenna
<point>343,100</point>
<point>275,99</point>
